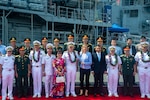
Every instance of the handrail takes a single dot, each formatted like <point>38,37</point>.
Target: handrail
<point>58,11</point>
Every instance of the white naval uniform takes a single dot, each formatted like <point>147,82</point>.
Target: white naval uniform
<point>37,71</point>
<point>70,72</point>
<point>7,63</point>
<point>112,75</point>
<point>144,73</point>
<point>47,61</point>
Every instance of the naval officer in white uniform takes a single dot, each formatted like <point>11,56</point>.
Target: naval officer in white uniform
<point>142,59</point>
<point>48,69</point>
<point>71,59</point>
<point>36,56</point>
<point>7,73</point>
<point>114,66</point>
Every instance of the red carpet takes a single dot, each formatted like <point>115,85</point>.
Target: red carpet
<point>85,98</point>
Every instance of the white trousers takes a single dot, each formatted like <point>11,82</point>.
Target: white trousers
<point>7,82</point>
<point>112,81</point>
<point>144,80</point>
<point>48,84</point>
<point>37,80</point>
<point>70,80</point>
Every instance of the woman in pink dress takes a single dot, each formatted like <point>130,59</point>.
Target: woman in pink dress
<point>59,70</point>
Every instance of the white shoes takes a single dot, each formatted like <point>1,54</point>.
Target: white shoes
<point>67,95</point>
<point>46,95</point>
<point>35,95</point>
<point>116,95</point>
<point>143,96</point>
<point>148,96</point>
<point>11,97</point>
<point>3,98</point>
<point>74,95</point>
<point>39,95</point>
<point>109,95</point>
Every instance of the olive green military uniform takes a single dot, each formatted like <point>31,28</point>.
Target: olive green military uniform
<point>56,49</point>
<point>15,51</point>
<point>44,49</point>
<point>127,71</point>
<point>27,50</point>
<point>22,70</point>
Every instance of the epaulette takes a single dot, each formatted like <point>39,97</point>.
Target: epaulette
<point>26,55</point>
<point>3,55</point>
<point>60,46</point>
<point>122,55</point>
<point>132,55</point>
<point>65,43</point>
<point>104,47</point>
<point>80,43</point>
<point>17,55</point>
<point>89,44</point>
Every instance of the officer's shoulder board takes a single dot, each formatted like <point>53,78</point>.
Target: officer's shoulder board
<point>65,43</point>
<point>104,47</point>
<point>3,55</point>
<point>90,44</point>
<point>80,44</point>
<point>26,56</point>
<point>132,55</point>
<point>123,55</point>
<point>60,46</point>
<point>17,56</point>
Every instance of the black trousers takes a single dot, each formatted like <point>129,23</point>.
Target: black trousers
<point>86,73</point>
<point>98,82</point>
<point>128,82</point>
<point>22,83</point>
<point>31,80</point>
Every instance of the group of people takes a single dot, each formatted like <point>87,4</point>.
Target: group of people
<point>58,65</point>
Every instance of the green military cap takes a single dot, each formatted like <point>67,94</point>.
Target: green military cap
<point>12,39</point>
<point>27,40</point>
<point>70,36</point>
<point>56,39</point>
<point>99,39</point>
<point>22,48</point>
<point>85,36</point>
<point>44,39</point>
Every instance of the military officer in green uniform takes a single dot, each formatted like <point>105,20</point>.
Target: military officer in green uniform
<point>100,43</point>
<point>128,70</point>
<point>44,43</point>
<point>85,42</point>
<point>22,71</point>
<point>57,46</point>
<point>28,48</point>
<point>13,44</point>
<point>70,39</point>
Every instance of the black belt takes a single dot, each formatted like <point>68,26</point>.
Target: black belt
<point>36,66</point>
